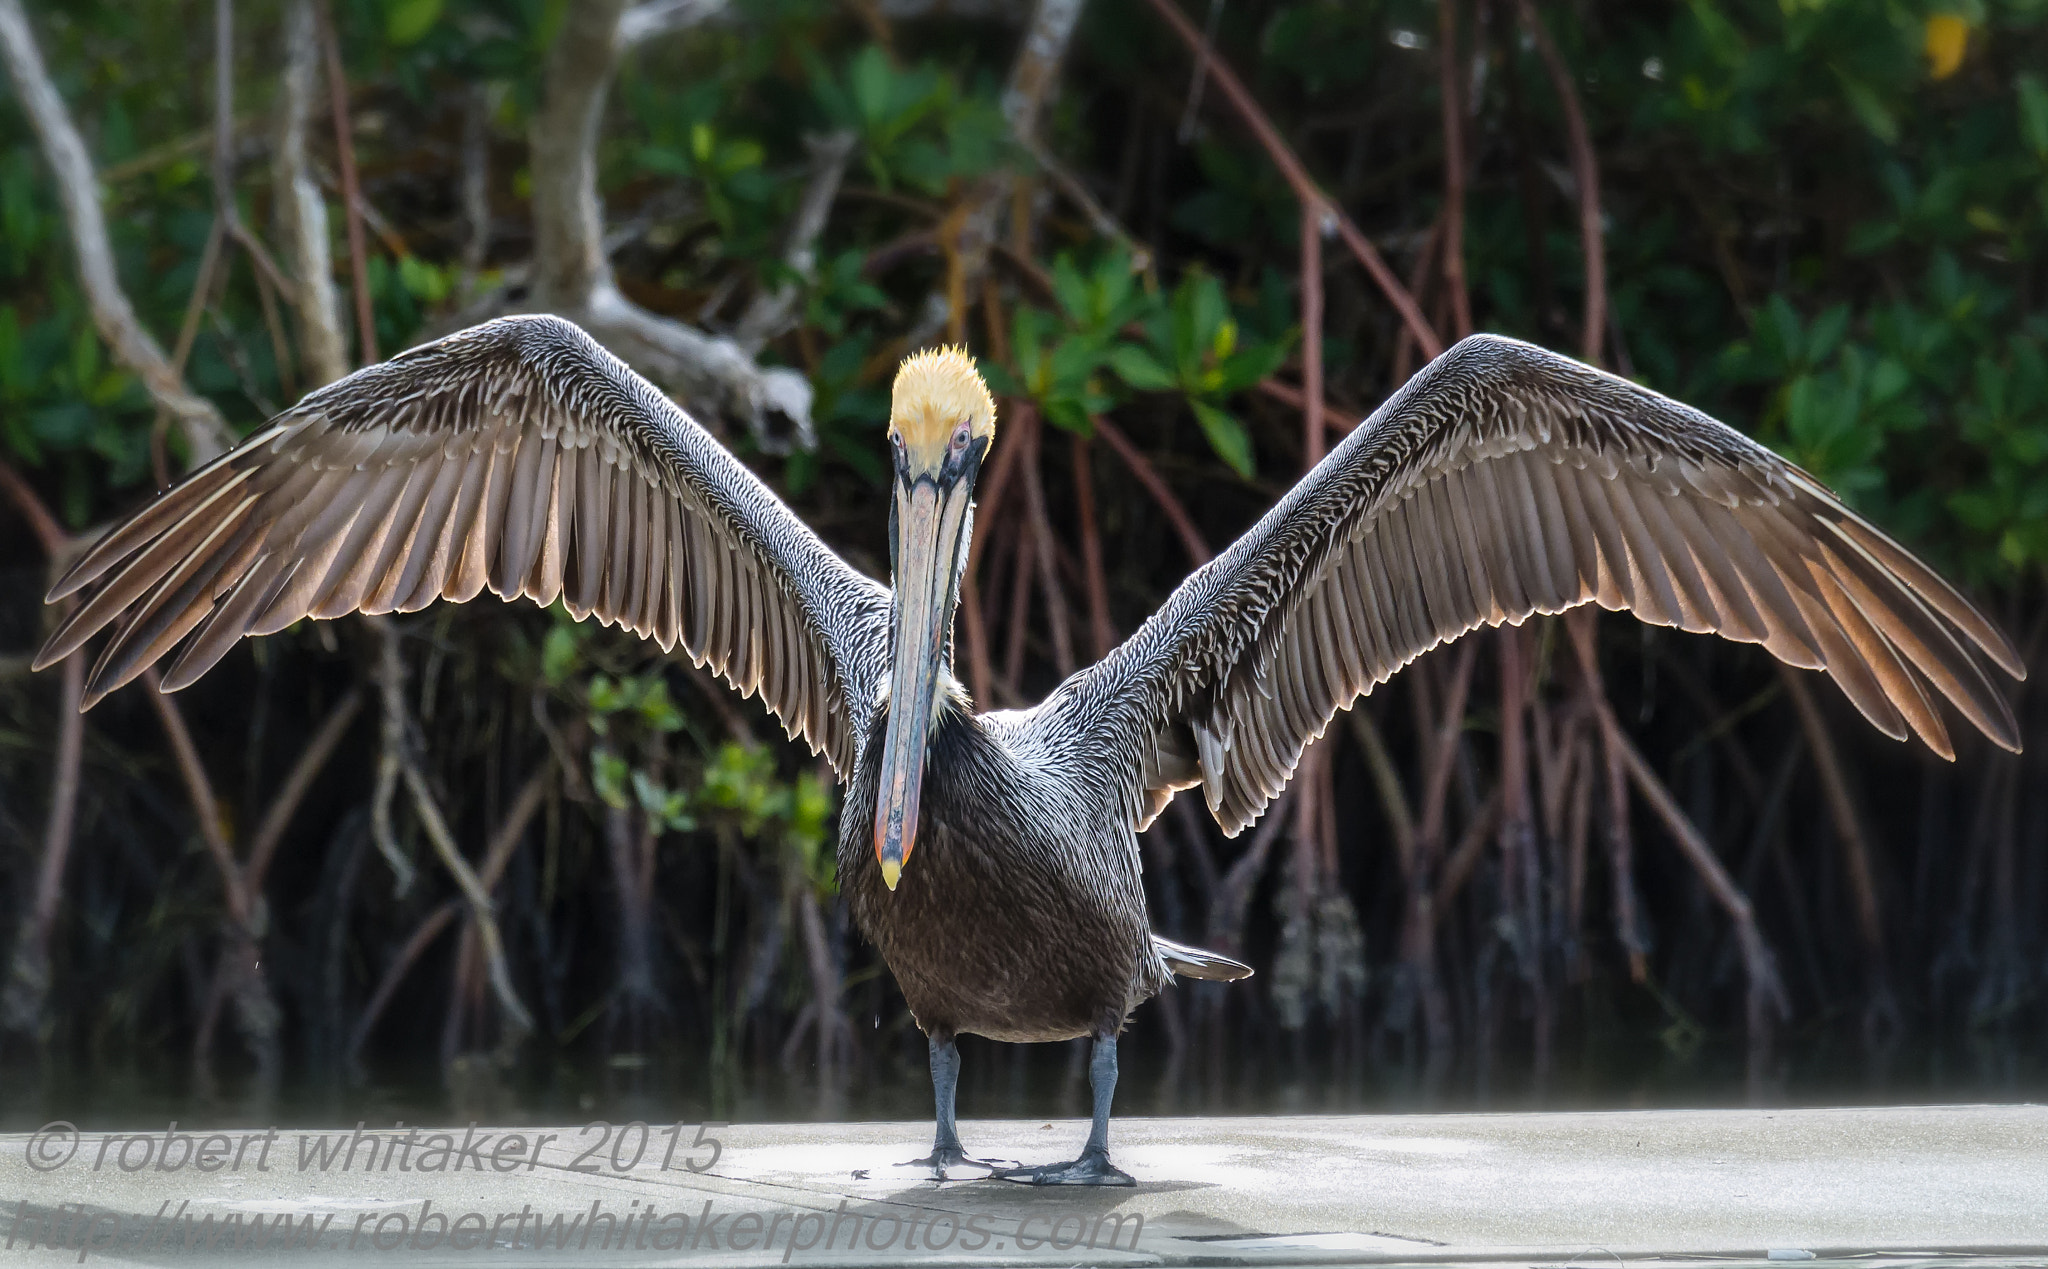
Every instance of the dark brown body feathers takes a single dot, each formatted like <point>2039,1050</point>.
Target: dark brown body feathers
<point>1007,923</point>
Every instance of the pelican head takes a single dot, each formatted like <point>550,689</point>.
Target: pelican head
<point>941,423</point>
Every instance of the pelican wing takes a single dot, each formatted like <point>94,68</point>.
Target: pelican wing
<point>518,455</point>
<point>1501,481</point>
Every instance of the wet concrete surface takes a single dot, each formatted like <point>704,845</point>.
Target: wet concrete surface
<point>1948,1185</point>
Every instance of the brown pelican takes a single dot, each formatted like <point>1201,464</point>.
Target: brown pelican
<point>992,857</point>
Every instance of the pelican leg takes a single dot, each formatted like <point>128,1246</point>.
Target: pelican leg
<point>948,1161</point>
<point>1093,1167</point>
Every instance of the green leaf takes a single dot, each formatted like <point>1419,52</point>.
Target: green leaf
<point>660,712</point>
<point>1139,368</point>
<point>558,655</point>
<point>1226,436</point>
<point>607,695</point>
<point>1069,415</point>
<point>1870,108</point>
<point>405,21</point>
<point>870,77</point>
<point>608,777</point>
<point>1252,363</point>
<point>1826,333</point>
<point>2034,114</point>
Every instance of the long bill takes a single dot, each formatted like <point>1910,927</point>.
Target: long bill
<point>931,524</point>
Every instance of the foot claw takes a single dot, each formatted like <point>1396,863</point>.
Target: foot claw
<point>954,1164</point>
<point>1089,1169</point>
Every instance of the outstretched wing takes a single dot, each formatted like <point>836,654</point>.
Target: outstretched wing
<point>518,455</point>
<point>1501,481</point>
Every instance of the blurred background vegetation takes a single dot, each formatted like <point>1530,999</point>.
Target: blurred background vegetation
<point>485,860</point>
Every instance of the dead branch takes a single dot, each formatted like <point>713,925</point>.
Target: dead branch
<point>1022,547</point>
<point>1620,846</point>
<point>1312,227</point>
<point>983,10</point>
<point>995,487</point>
<point>1101,630</point>
<point>1419,276</point>
<point>28,976</point>
<point>238,972</point>
<point>390,761</point>
<point>206,432</point>
<point>224,148</point>
<point>1464,856</point>
<point>188,331</point>
<point>28,972</point>
<point>572,277</point>
<point>1439,759</point>
<point>351,196</point>
<point>205,806</point>
<point>771,313</point>
<point>1191,107</point>
<point>280,346</point>
<point>476,187</point>
<point>247,127</point>
<point>568,222</point>
<point>1234,892</point>
<point>1291,397</point>
<point>1585,174</point>
<point>654,18</point>
<point>518,817</point>
<point>50,535</point>
<point>1856,852</point>
<point>975,221</point>
<point>348,184</point>
<point>834,1030</point>
<point>1521,873</point>
<point>1100,219</point>
<point>1297,176</point>
<point>390,682</point>
<point>300,209</point>
<point>1044,551</point>
<point>480,910</point>
<point>285,802</point>
<point>1766,993</point>
<point>1162,494</point>
<point>1386,781</point>
<point>422,937</point>
<point>1419,921</point>
<point>1452,83</point>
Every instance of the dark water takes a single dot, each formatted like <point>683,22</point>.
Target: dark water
<point>1285,1075</point>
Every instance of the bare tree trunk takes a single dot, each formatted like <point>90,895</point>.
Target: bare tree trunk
<point>28,975</point>
<point>570,273</point>
<point>773,312</point>
<point>301,209</point>
<point>390,681</point>
<point>206,433</point>
<point>568,223</point>
<point>639,995</point>
<point>476,187</point>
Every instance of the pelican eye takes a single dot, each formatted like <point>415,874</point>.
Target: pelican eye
<point>960,435</point>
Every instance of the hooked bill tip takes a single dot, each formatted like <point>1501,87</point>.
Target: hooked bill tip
<point>891,870</point>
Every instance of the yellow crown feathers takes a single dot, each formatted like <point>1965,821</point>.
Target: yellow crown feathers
<point>936,390</point>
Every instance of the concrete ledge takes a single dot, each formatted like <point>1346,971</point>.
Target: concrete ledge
<point>1953,1185</point>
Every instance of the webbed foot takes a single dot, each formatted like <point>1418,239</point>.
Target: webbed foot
<point>951,1163</point>
<point>1092,1168</point>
